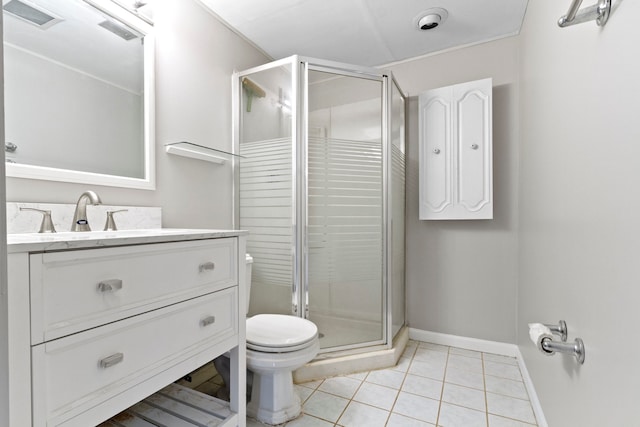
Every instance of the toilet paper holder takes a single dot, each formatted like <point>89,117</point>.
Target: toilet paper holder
<point>559,329</point>
<point>576,348</point>
<point>547,345</point>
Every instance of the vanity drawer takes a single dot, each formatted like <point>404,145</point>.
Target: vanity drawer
<point>78,372</point>
<point>73,291</point>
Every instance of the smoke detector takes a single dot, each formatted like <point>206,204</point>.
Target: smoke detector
<point>431,18</point>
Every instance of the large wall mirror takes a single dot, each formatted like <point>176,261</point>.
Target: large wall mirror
<point>79,101</point>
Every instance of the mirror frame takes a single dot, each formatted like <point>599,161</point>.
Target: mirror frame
<point>16,170</point>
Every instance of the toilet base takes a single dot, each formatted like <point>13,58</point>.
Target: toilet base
<point>274,400</point>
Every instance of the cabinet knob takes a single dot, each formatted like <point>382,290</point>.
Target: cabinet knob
<point>206,266</point>
<point>474,146</point>
<point>436,151</point>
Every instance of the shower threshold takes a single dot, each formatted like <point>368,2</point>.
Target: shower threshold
<point>347,362</point>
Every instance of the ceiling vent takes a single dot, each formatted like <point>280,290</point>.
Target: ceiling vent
<point>31,13</point>
<point>431,18</point>
<point>119,30</point>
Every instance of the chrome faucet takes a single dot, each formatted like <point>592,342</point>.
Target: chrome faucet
<point>80,222</point>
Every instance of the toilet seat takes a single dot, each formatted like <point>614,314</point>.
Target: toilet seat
<point>279,333</point>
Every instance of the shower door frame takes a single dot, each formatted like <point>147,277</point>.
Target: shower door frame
<point>300,66</point>
<point>339,69</point>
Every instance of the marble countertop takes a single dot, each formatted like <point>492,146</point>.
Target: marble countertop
<point>36,242</point>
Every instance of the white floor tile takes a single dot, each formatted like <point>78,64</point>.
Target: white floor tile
<point>465,378</point>
<point>432,346</point>
<point>465,352</point>
<point>303,392</point>
<point>409,350</point>
<point>510,407</point>
<point>311,384</point>
<point>422,386</point>
<point>253,423</point>
<point>418,407</point>
<point>397,420</point>
<point>359,415</point>
<point>465,363</point>
<point>433,370</point>
<point>457,416</point>
<point>506,387</point>
<point>403,364</point>
<point>358,376</point>
<point>431,384</point>
<point>427,355</point>
<point>496,421</point>
<point>305,420</point>
<point>386,377</point>
<point>340,386</point>
<point>464,396</point>
<point>325,406</point>
<point>376,395</point>
<point>500,358</point>
<point>502,370</point>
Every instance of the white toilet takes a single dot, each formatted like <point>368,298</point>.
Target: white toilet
<point>277,345</point>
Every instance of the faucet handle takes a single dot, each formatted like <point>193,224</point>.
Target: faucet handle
<point>47,224</point>
<point>110,225</point>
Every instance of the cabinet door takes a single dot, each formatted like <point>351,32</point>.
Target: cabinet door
<point>435,152</point>
<point>456,152</point>
<point>473,143</point>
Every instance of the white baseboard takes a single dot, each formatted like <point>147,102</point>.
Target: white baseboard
<point>533,396</point>
<point>494,347</point>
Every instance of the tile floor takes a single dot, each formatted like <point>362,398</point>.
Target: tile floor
<point>432,385</point>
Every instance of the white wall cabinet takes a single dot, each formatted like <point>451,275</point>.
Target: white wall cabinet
<point>455,151</point>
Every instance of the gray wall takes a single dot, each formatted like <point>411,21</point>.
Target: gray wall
<point>195,56</point>
<point>462,275</point>
<point>579,205</point>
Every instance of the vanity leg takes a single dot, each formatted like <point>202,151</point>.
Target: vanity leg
<point>238,387</point>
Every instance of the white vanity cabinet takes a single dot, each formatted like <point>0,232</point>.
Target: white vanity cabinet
<point>94,330</point>
<point>455,151</point>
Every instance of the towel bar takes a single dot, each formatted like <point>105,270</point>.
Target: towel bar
<point>600,12</point>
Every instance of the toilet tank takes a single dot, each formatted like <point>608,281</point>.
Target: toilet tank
<point>248,266</point>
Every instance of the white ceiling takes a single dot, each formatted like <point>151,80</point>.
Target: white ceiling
<point>366,32</point>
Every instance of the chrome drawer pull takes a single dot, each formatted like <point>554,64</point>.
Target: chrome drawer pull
<point>114,359</point>
<point>110,285</point>
<point>206,266</point>
<point>208,321</point>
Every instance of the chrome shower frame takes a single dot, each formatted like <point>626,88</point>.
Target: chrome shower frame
<point>300,67</point>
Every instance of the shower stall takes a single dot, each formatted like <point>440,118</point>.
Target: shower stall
<point>320,185</point>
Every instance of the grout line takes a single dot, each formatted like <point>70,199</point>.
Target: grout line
<point>486,400</point>
<point>444,376</point>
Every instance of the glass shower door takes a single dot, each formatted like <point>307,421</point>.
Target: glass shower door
<point>345,208</point>
<point>267,204</point>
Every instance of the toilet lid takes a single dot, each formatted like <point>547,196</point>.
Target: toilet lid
<point>278,332</point>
